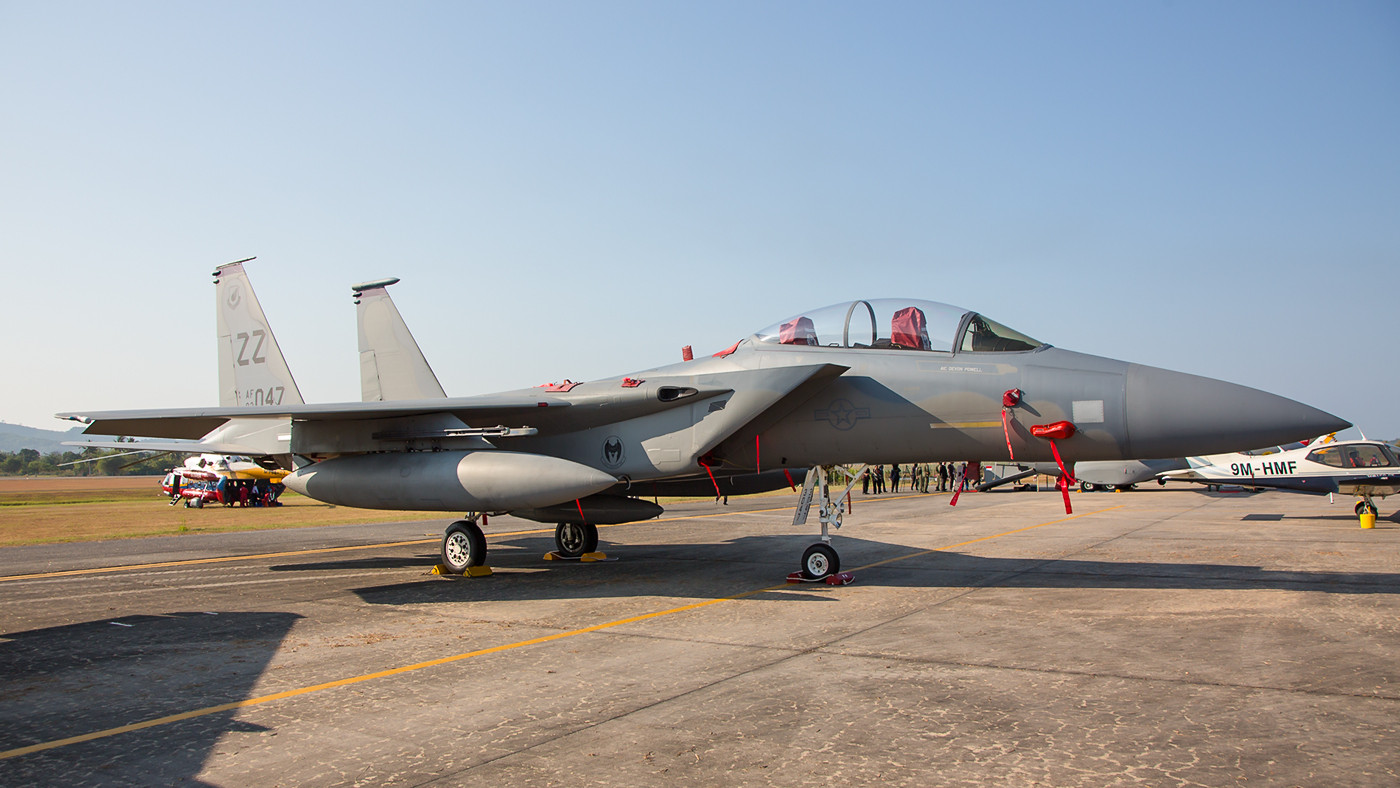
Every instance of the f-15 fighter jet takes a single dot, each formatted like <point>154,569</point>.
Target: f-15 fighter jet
<point>868,381</point>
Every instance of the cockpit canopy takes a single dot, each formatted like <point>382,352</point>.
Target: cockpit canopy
<point>897,324</point>
<point>1354,455</point>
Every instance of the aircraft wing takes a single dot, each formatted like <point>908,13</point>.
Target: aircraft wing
<point>1316,485</point>
<point>194,423</point>
<point>1323,485</point>
<point>351,427</point>
<point>530,411</point>
<point>179,446</point>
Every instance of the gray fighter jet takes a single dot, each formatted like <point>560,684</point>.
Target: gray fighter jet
<point>879,381</point>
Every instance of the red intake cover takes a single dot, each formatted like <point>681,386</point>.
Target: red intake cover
<point>1057,431</point>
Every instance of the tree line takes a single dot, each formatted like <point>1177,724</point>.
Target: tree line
<point>96,462</point>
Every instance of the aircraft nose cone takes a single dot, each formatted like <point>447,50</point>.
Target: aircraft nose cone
<point>1172,414</point>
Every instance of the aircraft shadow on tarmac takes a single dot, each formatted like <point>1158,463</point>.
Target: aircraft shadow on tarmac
<point>76,679</point>
<point>1329,518</point>
<point>722,569</point>
<point>387,562</point>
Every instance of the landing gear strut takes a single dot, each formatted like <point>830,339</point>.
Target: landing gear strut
<point>463,545</point>
<point>821,560</point>
<point>572,540</point>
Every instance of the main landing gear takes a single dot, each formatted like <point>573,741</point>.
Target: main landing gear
<point>821,561</point>
<point>1365,506</point>
<point>573,540</point>
<point>1091,487</point>
<point>463,546</point>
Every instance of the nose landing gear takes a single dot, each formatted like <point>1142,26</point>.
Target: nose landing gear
<point>821,561</point>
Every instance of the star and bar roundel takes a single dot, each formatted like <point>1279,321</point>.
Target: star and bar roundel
<point>842,415</point>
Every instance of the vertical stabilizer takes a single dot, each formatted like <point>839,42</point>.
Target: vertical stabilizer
<point>392,366</point>
<point>252,371</point>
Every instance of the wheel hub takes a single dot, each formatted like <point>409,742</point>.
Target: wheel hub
<point>571,538</point>
<point>456,548</point>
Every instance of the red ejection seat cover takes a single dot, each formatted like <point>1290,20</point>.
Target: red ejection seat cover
<point>798,331</point>
<point>909,329</point>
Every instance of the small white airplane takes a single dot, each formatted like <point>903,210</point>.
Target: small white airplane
<point>1364,468</point>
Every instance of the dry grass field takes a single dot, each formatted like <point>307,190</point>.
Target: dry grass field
<point>80,509</point>
<point>73,509</point>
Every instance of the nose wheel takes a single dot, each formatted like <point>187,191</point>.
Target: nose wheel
<point>820,561</point>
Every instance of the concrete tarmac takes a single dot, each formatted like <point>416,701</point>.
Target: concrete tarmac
<point>1162,637</point>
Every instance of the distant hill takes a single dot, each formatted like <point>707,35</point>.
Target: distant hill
<point>14,437</point>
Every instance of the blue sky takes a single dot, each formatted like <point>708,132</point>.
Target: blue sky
<point>579,189</point>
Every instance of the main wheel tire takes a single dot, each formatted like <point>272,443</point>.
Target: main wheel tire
<point>572,540</point>
<point>819,561</point>
<point>1360,507</point>
<point>463,545</point>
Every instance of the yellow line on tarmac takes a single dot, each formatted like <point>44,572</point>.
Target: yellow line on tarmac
<point>187,715</point>
<point>347,681</point>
